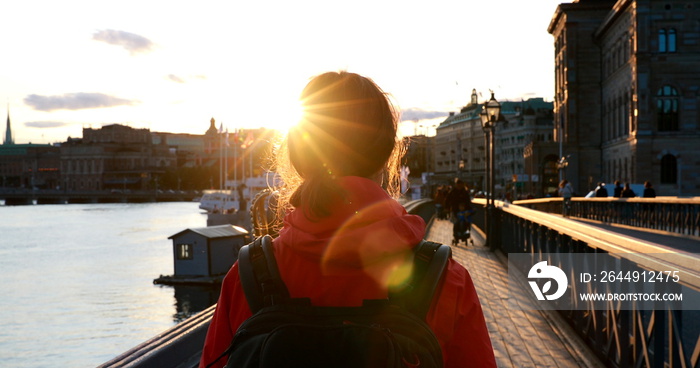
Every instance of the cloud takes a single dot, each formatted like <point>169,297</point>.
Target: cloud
<point>414,114</point>
<point>179,79</point>
<point>175,78</point>
<point>45,124</point>
<point>133,43</point>
<point>75,101</point>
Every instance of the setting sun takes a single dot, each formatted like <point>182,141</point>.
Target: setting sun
<point>287,115</point>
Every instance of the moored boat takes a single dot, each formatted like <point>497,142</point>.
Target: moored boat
<point>219,201</point>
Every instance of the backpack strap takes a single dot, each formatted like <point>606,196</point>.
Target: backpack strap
<point>259,274</point>
<point>429,263</point>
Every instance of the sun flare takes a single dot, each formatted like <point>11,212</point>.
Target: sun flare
<point>287,116</point>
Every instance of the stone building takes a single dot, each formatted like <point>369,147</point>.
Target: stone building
<point>525,130</point>
<point>460,147</point>
<point>114,157</point>
<point>627,92</point>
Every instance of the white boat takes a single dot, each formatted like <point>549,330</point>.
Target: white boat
<point>219,201</point>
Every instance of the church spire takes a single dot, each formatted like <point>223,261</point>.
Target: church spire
<point>8,132</point>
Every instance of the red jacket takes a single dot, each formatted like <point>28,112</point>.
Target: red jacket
<point>348,257</point>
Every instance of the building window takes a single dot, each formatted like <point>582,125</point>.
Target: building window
<point>667,109</point>
<point>667,40</point>
<point>662,40</point>
<point>184,251</point>
<point>669,169</point>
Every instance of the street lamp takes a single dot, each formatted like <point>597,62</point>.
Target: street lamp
<point>562,163</point>
<point>485,125</point>
<point>489,116</point>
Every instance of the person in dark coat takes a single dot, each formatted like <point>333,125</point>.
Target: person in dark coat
<point>627,192</point>
<point>617,192</point>
<point>649,192</point>
<point>601,191</point>
<point>440,197</point>
<point>458,200</point>
<point>458,195</point>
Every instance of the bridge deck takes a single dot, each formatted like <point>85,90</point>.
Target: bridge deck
<point>520,338</point>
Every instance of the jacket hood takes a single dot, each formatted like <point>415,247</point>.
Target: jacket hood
<point>367,231</point>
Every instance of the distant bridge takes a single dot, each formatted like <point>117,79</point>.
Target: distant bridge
<point>18,197</point>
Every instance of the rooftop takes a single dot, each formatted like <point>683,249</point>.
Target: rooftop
<point>212,232</point>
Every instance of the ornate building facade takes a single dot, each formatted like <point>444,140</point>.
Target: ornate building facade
<point>627,92</point>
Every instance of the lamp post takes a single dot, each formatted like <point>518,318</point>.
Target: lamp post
<point>489,116</point>
<point>561,166</point>
<point>460,162</point>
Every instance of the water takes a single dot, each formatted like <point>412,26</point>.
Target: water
<point>76,281</point>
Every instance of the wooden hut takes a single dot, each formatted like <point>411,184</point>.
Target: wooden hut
<point>204,255</point>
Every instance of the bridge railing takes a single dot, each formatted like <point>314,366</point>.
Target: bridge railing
<point>672,214</point>
<point>621,337</point>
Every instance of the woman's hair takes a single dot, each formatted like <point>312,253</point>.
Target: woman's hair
<point>348,129</point>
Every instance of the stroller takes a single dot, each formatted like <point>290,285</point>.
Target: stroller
<point>461,228</point>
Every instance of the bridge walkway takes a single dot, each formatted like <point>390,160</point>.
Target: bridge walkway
<point>520,337</point>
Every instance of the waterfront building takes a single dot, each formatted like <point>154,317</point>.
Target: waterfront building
<point>626,92</point>
<point>460,147</point>
<point>218,159</point>
<point>189,148</point>
<point>120,158</point>
<point>114,157</point>
<point>29,166</point>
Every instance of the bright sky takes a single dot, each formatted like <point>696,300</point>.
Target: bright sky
<point>171,66</point>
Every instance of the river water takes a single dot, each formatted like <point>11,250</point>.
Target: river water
<point>76,281</point>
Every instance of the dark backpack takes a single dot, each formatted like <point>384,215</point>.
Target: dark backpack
<point>290,332</point>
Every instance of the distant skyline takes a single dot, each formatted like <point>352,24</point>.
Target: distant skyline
<point>171,66</point>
